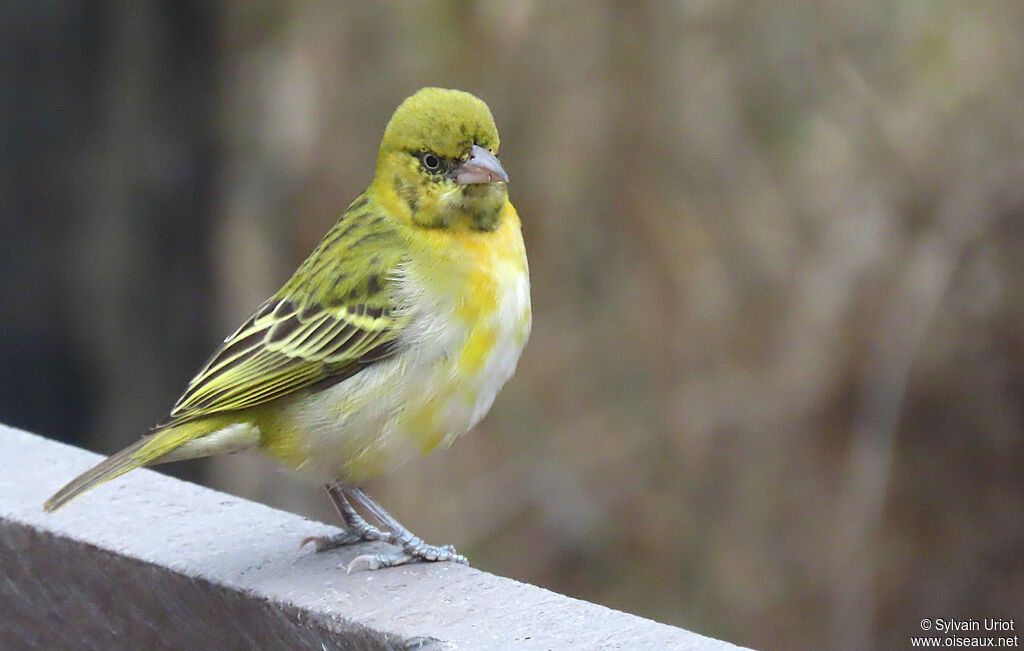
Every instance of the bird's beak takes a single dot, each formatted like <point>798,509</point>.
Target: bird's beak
<point>480,167</point>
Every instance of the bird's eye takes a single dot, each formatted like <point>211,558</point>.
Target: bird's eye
<point>431,162</point>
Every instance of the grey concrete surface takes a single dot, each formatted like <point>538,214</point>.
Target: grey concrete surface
<point>148,561</point>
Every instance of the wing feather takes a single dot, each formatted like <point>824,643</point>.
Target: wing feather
<point>276,352</point>
<point>332,319</point>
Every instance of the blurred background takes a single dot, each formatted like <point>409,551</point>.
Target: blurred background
<point>775,390</point>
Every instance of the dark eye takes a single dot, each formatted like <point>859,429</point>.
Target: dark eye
<point>431,162</point>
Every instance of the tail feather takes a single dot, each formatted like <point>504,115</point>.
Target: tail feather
<point>189,440</point>
<point>116,465</point>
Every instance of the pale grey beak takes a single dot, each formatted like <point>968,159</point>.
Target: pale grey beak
<point>480,167</point>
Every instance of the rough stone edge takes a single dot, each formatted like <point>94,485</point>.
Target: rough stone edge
<point>27,543</point>
<point>129,612</point>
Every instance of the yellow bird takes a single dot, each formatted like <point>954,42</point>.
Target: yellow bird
<point>393,337</point>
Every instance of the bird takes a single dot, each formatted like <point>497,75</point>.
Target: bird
<point>391,339</point>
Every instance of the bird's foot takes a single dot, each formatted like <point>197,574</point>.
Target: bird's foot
<point>418,552</point>
<point>346,537</point>
<point>413,550</point>
<point>356,528</point>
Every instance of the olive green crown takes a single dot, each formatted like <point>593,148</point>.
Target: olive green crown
<point>446,122</point>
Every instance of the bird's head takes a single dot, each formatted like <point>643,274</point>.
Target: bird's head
<point>438,160</point>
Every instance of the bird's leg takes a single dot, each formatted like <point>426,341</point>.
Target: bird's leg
<point>413,549</point>
<point>356,528</point>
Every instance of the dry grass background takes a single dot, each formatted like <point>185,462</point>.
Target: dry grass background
<point>774,391</point>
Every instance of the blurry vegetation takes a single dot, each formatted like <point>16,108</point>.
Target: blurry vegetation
<point>775,387</point>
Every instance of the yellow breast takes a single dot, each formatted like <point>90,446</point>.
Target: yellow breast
<point>477,302</point>
<point>467,299</point>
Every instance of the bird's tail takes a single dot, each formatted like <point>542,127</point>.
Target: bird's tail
<point>188,440</point>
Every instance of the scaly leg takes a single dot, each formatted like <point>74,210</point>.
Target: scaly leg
<point>413,549</point>
<point>357,529</point>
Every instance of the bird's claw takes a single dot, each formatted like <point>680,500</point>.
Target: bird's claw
<point>370,562</point>
<point>312,539</point>
<point>324,543</point>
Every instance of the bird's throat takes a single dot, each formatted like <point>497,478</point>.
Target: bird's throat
<point>476,207</point>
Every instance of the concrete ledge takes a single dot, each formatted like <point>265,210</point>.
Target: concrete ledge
<point>151,561</point>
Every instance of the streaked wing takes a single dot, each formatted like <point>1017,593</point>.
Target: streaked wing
<point>330,320</point>
<point>284,347</point>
